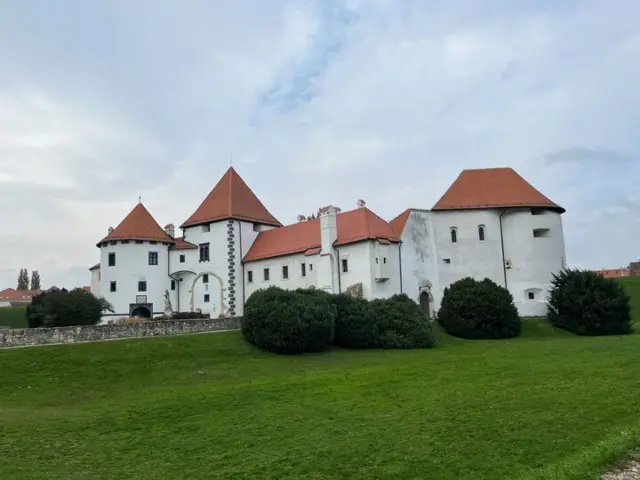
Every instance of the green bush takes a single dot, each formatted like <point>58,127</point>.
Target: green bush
<point>61,308</point>
<point>586,303</point>
<point>289,322</point>
<point>479,309</point>
<point>355,323</point>
<point>400,323</point>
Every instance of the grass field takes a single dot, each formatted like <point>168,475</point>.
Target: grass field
<point>13,317</point>
<point>547,405</point>
<point>632,286</point>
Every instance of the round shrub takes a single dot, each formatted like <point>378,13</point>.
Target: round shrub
<point>61,308</point>
<point>400,323</point>
<point>586,303</point>
<point>355,323</point>
<point>479,309</point>
<point>289,322</point>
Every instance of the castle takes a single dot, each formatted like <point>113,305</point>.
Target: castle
<point>491,223</point>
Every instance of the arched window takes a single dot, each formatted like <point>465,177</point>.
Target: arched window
<point>481,232</point>
<point>454,235</point>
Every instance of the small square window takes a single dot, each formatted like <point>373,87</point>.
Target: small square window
<point>139,242</point>
<point>532,296</point>
<point>142,286</point>
<point>112,259</point>
<point>153,258</point>
<point>153,242</point>
<point>205,278</point>
<point>206,298</point>
<point>285,272</point>
<point>112,286</point>
<point>182,258</point>
<point>446,260</point>
<point>249,276</point>
<point>345,265</point>
<point>206,228</point>
<point>266,274</point>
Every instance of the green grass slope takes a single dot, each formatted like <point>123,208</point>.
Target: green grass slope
<point>547,405</point>
<point>13,317</point>
<point>632,286</point>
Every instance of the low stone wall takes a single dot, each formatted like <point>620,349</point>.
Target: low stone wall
<point>21,337</point>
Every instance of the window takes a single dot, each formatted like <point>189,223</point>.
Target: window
<point>204,252</point>
<point>139,242</point>
<point>304,269</point>
<point>124,242</point>
<point>113,242</point>
<point>377,260</point>
<point>481,233</point>
<point>532,296</point>
<point>285,271</point>
<point>206,228</point>
<point>265,273</point>
<point>537,211</point>
<point>384,260</point>
<point>112,286</point>
<point>446,260</point>
<point>206,298</point>
<point>153,258</point>
<point>345,265</point>
<point>182,258</point>
<point>173,284</point>
<point>142,286</point>
<point>310,267</point>
<point>249,276</point>
<point>112,259</point>
<point>153,242</point>
<point>256,227</point>
<point>205,278</point>
<point>541,232</point>
<point>454,235</point>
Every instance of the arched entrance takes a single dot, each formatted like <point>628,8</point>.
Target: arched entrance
<point>193,286</point>
<point>143,312</point>
<point>424,303</point>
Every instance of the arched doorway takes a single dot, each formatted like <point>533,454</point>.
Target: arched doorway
<point>424,303</point>
<point>143,312</point>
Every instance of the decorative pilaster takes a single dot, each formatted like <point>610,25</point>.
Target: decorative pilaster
<point>231,260</point>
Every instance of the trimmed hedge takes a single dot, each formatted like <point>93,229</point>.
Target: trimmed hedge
<point>289,322</point>
<point>586,303</point>
<point>475,309</point>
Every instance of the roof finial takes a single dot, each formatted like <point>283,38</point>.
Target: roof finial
<point>230,159</point>
<point>139,199</point>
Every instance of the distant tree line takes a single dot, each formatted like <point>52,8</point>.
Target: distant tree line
<point>23,280</point>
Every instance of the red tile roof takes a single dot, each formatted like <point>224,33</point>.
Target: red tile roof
<point>138,225</point>
<point>400,221</point>
<point>492,188</point>
<point>13,295</point>
<point>304,237</point>
<point>231,198</point>
<point>182,244</point>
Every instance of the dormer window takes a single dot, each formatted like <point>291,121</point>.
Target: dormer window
<point>454,235</point>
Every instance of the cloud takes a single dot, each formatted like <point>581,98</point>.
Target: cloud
<point>318,102</point>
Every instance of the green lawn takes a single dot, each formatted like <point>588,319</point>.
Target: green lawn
<point>547,405</point>
<point>13,317</point>
<point>632,285</point>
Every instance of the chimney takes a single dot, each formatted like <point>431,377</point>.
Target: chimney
<point>328,227</point>
<point>170,230</point>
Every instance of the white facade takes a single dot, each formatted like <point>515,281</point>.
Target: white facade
<point>432,260</point>
<point>519,248</point>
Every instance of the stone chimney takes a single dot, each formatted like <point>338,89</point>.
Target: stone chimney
<point>170,230</point>
<point>328,227</point>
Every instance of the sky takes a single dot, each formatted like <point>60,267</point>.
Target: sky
<point>316,103</point>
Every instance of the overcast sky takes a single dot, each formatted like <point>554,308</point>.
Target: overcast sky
<point>319,102</point>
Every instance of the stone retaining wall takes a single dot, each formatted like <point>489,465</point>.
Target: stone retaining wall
<point>21,337</point>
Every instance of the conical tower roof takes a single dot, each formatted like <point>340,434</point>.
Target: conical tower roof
<point>138,225</point>
<point>231,198</point>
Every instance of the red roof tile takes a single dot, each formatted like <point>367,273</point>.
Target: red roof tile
<point>304,237</point>
<point>182,244</point>
<point>492,188</point>
<point>13,295</point>
<point>400,221</point>
<point>138,225</point>
<point>231,198</point>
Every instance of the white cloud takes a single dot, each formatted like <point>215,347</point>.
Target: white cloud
<point>319,102</point>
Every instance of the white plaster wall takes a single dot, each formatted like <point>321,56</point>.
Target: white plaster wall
<point>132,265</point>
<point>4,303</point>
<point>295,280</point>
<point>95,281</point>
<point>533,259</point>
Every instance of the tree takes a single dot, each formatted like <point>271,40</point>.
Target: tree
<point>23,279</point>
<point>35,280</point>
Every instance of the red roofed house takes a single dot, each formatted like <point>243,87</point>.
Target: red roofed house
<point>490,223</point>
<point>232,245</point>
<point>10,297</point>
